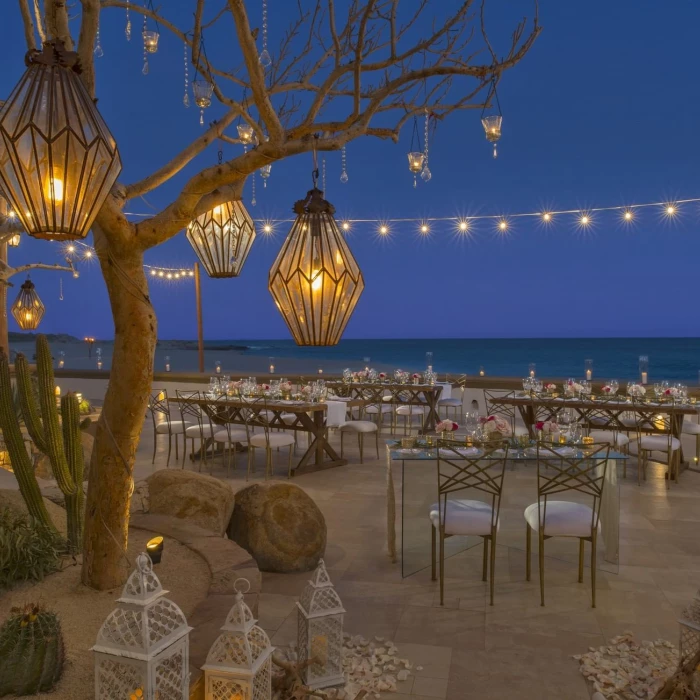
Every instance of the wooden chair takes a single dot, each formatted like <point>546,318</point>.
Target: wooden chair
<point>459,469</point>
<point>557,474</point>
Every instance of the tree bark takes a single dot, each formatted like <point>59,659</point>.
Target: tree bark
<point>110,481</point>
<point>4,337</point>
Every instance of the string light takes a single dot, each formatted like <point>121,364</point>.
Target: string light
<point>503,225</point>
<point>424,229</point>
<point>343,159</point>
<point>463,226</point>
<point>670,209</point>
<point>264,58</point>
<point>546,217</point>
<point>383,229</point>
<point>267,228</point>
<point>98,44</point>
<point>345,226</point>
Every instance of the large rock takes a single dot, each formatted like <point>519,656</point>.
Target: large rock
<point>13,500</point>
<point>201,499</point>
<point>281,527</point>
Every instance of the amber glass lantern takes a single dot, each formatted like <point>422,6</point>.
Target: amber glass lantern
<point>222,238</point>
<point>13,240</point>
<point>28,309</point>
<point>315,280</point>
<point>58,159</point>
<point>150,40</point>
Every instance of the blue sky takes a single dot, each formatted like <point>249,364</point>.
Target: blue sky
<point>603,111</point>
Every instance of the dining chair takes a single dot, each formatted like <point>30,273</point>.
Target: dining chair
<point>503,410</point>
<point>257,414</point>
<point>407,411</point>
<point>692,427</point>
<point>559,473</point>
<point>201,428</point>
<point>655,434</point>
<point>163,423</point>
<point>227,436</point>
<point>461,469</point>
<point>360,428</point>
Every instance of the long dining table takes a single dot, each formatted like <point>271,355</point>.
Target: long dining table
<point>602,413</point>
<point>424,395</point>
<point>254,412</point>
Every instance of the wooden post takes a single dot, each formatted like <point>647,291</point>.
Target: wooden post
<point>200,328</point>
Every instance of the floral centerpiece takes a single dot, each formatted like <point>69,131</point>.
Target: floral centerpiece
<point>637,391</point>
<point>607,390</point>
<point>446,426</point>
<point>494,427</point>
<point>671,393</point>
<point>572,388</point>
<point>382,375</point>
<point>416,377</point>
<point>306,390</point>
<point>285,387</point>
<point>550,388</point>
<point>547,428</point>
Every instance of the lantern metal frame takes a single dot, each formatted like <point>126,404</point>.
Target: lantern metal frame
<point>144,643</point>
<point>59,159</point>
<point>28,309</point>
<point>320,616</point>
<point>239,662</point>
<point>315,281</point>
<point>222,238</point>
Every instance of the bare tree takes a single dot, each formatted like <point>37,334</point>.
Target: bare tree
<point>377,66</point>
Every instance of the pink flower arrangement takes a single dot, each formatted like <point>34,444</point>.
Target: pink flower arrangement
<point>495,424</point>
<point>671,391</point>
<point>286,386</point>
<point>415,375</point>
<point>265,387</point>
<point>551,388</point>
<point>382,375</point>
<point>547,426</point>
<point>446,426</point>
<point>606,389</point>
<point>306,389</point>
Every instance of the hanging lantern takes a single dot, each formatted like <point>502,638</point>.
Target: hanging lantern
<point>265,173</point>
<point>202,90</point>
<point>59,159</point>
<point>222,238</point>
<point>142,648</point>
<point>150,40</point>
<point>416,156</point>
<point>13,240</point>
<point>315,280</point>
<point>320,632</point>
<point>492,123</point>
<point>28,309</point>
<point>239,663</point>
<point>245,133</point>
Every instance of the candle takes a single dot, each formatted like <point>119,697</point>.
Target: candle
<point>99,364</point>
<point>60,363</point>
<point>644,377</point>
<point>218,368</point>
<point>589,375</point>
<point>272,369</point>
<point>532,369</point>
<point>57,391</point>
<point>320,370</point>
<point>79,396</point>
<point>167,363</point>
<point>481,372</point>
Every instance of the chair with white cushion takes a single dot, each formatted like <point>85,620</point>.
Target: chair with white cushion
<point>360,428</point>
<point>503,410</point>
<point>377,411</point>
<point>163,423</point>
<point>229,436</point>
<point>200,429</point>
<point>692,427</point>
<point>463,469</point>
<point>616,440</point>
<point>408,411</point>
<point>556,475</point>
<point>450,404</point>
<point>266,439</point>
<point>655,434</point>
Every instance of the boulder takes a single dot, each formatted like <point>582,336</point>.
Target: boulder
<point>198,498</point>
<point>12,499</point>
<point>140,498</point>
<point>280,526</point>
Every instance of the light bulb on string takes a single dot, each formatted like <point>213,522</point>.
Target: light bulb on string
<point>345,226</point>
<point>424,229</point>
<point>503,225</point>
<point>670,209</point>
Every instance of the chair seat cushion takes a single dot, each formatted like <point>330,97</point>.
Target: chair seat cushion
<point>177,427</point>
<point>386,408</point>
<point>608,437</point>
<point>359,426</point>
<point>232,436</point>
<point>410,410</point>
<point>464,517</point>
<point>195,431</point>
<point>598,420</point>
<point>288,418</point>
<point>659,443</point>
<point>691,427</point>
<point>450,402</point>
<point>629,422</point>
<point>562,518</point>
<point>273,439</point>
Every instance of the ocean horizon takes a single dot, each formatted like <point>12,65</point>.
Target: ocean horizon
<point>676,359</point>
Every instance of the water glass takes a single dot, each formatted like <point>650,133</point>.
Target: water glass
<point>614,386</point>
<point>575,433</point>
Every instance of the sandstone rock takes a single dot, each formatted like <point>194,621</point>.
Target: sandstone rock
<point>140,501</point>
<point>200,499</point>
<point>280,525</point>
<point>13,500</point>
<point>42,465</point>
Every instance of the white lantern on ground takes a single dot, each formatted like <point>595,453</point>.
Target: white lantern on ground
<point>320,632</point>
<point>239,663</point>
<point>142,648</point>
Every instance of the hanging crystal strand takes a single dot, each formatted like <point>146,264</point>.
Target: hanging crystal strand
<point>253,201</point>
<point>201,117</point>
<point>425,173</point>
<point>323,175</point>
<point>344,171</point>
<point>186,96</point>
<point>60,288</point>
<point>127,29</point>
<point>495,151</point>
<point>98,45</point>
<point>265,58</point>
<point>144,70</point>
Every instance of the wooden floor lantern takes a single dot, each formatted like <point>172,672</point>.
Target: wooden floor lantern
<point>28,309</point>
<point>315,280</point>
<point>58,159</point>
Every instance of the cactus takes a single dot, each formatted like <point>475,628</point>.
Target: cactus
<point>31,651</point>
<point>56,435</point>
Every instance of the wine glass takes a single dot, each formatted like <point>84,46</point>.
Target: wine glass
<point>575,432</point>
<point>614,386</point>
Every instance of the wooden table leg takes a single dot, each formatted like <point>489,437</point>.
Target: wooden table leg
<point>318,444</point>
<point>527,413</point>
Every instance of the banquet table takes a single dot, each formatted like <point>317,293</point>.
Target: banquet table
<point>609,510</point>
<point>426,395</point>
<point>611,410</point>
<point>309,418</point>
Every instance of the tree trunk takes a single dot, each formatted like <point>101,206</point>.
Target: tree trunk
<point>110,481</point>
<point>4,339</point>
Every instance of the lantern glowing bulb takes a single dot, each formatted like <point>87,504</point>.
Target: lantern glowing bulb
<point>316,280</point>
<point>55,189</point>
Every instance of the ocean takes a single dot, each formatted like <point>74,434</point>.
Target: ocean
<point>675,359</point>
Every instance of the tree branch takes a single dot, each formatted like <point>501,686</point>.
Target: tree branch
<point>56,14</point>
<point>28,24</point>
<point>6,272</point>
<point>86,42</point>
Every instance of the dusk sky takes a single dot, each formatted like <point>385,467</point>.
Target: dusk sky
<point>603,111</point>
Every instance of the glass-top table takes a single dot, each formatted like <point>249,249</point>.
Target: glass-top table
<point>418,492</point>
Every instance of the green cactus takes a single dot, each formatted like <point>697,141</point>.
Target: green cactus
<point>55,434</point>
<point>31,651</point>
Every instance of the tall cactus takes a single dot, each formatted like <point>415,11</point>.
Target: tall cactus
<point>57,436</point>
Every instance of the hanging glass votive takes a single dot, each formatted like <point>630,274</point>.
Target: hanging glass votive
<point>492,127</point>
<point>150,40</point>
<point>265,173</point>
<point>245,133</point>
<point>415,163</point>
<point>202,90</point>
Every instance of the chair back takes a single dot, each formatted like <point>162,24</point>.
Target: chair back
<point>158,406</point>
<point>651,420</point>
<point>461,468</point>
<point>190,410</point>
<point>255,415</point>
<point>498,409</point>
<point>583,473</point>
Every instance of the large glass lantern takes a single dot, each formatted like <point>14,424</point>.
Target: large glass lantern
<point>315,280</point>
<point>28,309</point>
<point>142,648</point>
<point>320,632</point>
<point>239,663</point>
<point>13,240</point>
<point>222,238</point>
<point>58,159</point>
